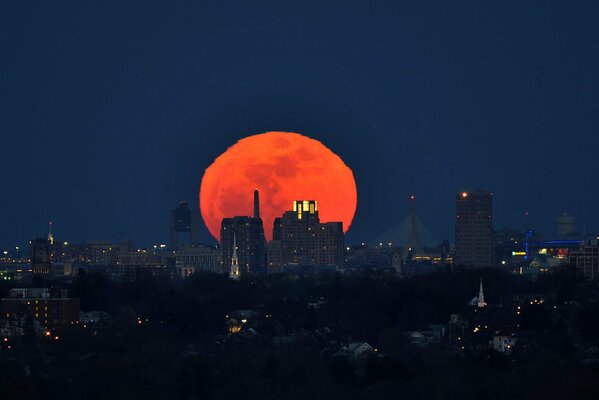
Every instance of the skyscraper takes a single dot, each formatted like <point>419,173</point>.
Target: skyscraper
<point>183,221</point>
<point>307,241</point>
<point>246,234</point>
<point>473,231</point>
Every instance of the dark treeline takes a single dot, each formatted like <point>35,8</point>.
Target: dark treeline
<point>169,340</point>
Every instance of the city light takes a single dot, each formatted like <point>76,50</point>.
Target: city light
<point>132,125</point>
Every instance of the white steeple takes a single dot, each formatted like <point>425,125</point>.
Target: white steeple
<point>481,295</point>
<point>234,271</point>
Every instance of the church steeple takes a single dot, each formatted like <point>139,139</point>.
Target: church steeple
<point>481,295</point>
<point>234,270</point>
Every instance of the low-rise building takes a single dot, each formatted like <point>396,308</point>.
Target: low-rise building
<point>52,308</point>
<point>196,258</point>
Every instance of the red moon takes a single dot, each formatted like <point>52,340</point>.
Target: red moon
<point>283,166</point>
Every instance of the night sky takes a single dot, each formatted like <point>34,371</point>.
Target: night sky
<point>109,113</point>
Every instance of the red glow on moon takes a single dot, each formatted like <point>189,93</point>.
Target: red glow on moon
<point>283,166</point>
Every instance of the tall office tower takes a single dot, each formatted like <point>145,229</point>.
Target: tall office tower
<point>40,257</point>
<point>307,241</point>
<point>473,229</point>
<point>184,221</point>
<point>248,233</point>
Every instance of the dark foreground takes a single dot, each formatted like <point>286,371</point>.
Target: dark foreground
<point>281,338</point>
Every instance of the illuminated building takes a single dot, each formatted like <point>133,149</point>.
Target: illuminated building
<point>431,259</point>
<point>586,260</point>
<point>555,249</point>
<point>40,257</point>
<point>246,234</point>
<point>184,221</point>
<point>307,241</point>
<point>505,242</point>
<point>536,254</point>
<point>52,308</point>
<point>101,253</point>
<point>474,224</point>
<point>234,270</point>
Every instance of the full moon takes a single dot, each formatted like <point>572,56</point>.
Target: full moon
<point>283,166</point>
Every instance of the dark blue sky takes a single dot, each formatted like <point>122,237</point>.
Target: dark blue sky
<point>111,112</point>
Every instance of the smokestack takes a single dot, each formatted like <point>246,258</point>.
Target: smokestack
<point>256,204</point>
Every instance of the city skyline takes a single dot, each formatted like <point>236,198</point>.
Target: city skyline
<point>299,200</point>
<point>432,106</point>
<point>551,222</point>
